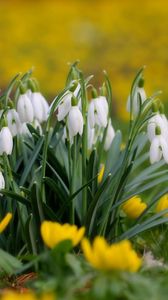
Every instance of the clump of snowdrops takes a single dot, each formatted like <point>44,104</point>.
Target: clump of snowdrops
<point>65,162</point>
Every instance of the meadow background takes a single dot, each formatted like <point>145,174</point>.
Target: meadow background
<point>118,36</point>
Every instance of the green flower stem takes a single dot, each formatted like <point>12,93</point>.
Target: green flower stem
<point>23,150</point>
<point>102,146</point>
<point>32,240</point>
<point>84,147</point>
<point>56,102</point>
<point>44,162</point>
<point>70,183</point>
<point>15,189</point>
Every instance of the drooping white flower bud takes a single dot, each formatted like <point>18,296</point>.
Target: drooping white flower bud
<point>75,121</point>
<point>6,141</point>
<point>2,181</point>
<point>65,104</point>
<point>98,112</point>
<point>40,106</point>
<point>64,107</point>
<point>25,108</point>
<point>159,147</point>
<point>13,121</point>
<point>109,136</point>
<point>135,103</point>
<point>157,121</point>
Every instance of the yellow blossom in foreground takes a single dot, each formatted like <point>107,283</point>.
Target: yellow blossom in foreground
<point>12,295</point>
<point>101,173</point>
<point>54,233</point>
<point>5,221</point>
<point>134,207</point>
<point>162,204</point>
<point>17,296</point>
<point>120,256</point>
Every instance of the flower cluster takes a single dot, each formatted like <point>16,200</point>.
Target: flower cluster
<point>31,108</point>
<point>119,256</point>
<point>71,114</point>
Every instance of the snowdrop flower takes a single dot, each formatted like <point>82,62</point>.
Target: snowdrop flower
<point>40,106</point>
<point>159,120</point>
<point>13,121</point>
<point>25,108</point>
<point>2,181</point>
<point>138,91</point>
<point>64,107</point>
<point>75,121</point>
<point>65,104</point>
<point>6,141</point>
<point>158,148</point>
<point>109,136</point>
<point>98,112</point>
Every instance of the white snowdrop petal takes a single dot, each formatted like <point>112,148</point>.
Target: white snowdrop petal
<point>151,130</point>
<point>6,141</point>
<point>104,103</point>
<point>164,147</point>
<point>37,106</point>
<point>101,111</point>
<point>135,103</point>
<point>77,90</point>
<point>100,116</point>
<point>25,109</point>
<point>109,136</point>
<point>13,121</point>
<point>142,93</point>
<point>75,121</point>
<point>64,107</point>
<point>45,108</point>
<point>155,152</point>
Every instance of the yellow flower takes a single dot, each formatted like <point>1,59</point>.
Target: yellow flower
<point>101,173</point>
<point>5,221</point>
<point>162,204</point>
<point>12,295</point>
<point>54,233</point>
<point>119,256</point>
<point>47,297</point>
<point>134,207</point>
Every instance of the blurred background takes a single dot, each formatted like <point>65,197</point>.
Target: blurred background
<point>118,36</point>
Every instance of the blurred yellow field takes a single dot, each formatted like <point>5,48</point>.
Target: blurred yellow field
<point>119,36</point>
